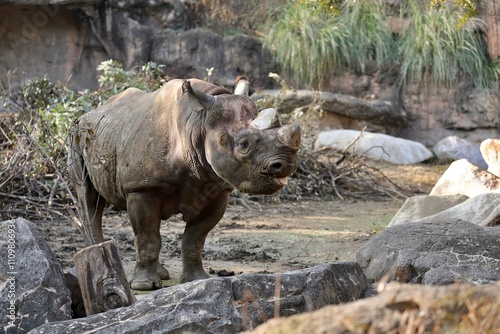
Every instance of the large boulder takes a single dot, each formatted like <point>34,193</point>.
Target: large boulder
<point>296,292</point>
<point>433,253</point>
<point>225,305</point>
<point>455,148</point>
<point>194,52</point>
<point>418,207</point>
<point>490,149</point>
<point>402,308</point>
<point>32,287</point>
<point>374,146</point>
<point>463,177</point>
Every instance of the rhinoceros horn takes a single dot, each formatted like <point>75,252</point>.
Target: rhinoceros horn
<point>289,135</point>
<point>266,119</point>
<point>241,85</point>
<point>207,101</point>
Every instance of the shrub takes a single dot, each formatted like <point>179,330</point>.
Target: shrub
<point>35,159</point>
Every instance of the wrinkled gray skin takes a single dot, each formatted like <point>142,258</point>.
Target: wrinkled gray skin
<point>180,149</point>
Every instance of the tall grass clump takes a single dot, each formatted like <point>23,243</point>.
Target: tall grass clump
<point>312,41</point>
<point>369,34</point>
<point>309,43</point>
<point>438,48</point>
<point>442,42</point>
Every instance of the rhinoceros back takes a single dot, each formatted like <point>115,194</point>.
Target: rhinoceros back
<point>114,138</point>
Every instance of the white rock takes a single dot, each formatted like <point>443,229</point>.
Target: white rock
<point>490,149</point>
<point>375,146</point>
<point>463,177</point>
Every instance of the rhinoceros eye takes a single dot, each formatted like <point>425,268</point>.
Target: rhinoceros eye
<point>244,144</point>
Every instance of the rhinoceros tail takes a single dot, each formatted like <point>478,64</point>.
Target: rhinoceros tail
<point>89,200</point>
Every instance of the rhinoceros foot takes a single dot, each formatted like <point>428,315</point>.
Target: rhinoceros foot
<point>162,272</point>
<point>143,280</point>
<point>193,275</point>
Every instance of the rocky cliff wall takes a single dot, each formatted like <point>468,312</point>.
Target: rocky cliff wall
<point>67,39</point>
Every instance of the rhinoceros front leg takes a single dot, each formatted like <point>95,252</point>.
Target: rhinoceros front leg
<point>144,214</point>
<point>195,233</point>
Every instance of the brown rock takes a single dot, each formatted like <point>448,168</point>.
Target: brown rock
<point>402,309</point>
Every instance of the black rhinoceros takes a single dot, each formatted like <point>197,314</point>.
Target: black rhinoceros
<point>180,149</point>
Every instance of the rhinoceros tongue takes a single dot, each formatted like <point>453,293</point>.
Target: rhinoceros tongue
<point>267,119</point>
<point>283,181</point>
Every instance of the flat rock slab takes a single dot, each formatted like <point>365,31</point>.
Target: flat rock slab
<point>32,287</point>
<point>482,210</point>
<point>225,305</point>
<point>433,253</point>
<point>402,308</point>
<point>418,207</point>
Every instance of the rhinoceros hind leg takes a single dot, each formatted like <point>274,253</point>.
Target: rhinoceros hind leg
<point>195,234</point>
<point>162,271</point>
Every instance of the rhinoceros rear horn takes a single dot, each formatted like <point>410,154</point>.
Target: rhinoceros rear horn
<point>266,119</point>
<point>207,101</point>
<point>241,85</point>
<point>289,135</point>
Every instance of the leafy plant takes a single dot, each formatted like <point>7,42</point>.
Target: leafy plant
<point>51,108</point>
<point>114,79</point>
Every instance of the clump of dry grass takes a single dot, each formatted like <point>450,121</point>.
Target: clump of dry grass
<point>330,174</point>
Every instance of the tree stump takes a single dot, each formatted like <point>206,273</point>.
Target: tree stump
<point>102,278</point>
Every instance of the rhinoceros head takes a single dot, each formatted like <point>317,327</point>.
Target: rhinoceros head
<point>245,148</point>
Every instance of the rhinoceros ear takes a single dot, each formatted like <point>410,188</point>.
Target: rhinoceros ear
<point>241,85</point>
<point>207,101</point>
<point>266,119</point>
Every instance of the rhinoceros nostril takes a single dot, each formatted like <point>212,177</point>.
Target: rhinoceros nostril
<point>276,167</point>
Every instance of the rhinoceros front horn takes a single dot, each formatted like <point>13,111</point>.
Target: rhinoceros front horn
<point>241,85</point>
<point>266,119</point>
<point>207,101</point>
<point>289,135</point>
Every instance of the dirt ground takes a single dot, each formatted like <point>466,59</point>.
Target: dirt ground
<point>261,238</point>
